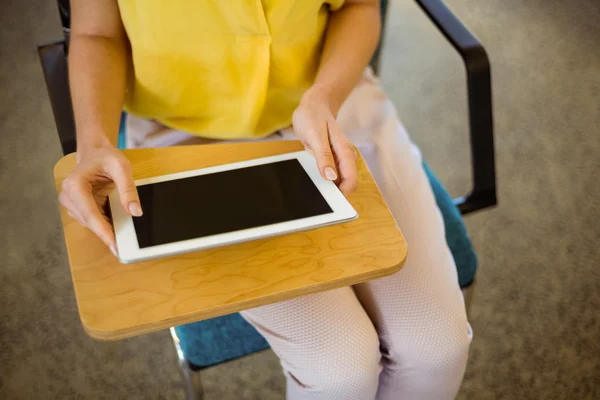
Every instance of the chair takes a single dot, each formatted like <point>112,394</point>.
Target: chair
<point>203,344</point>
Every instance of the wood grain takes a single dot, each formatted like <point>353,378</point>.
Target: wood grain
<point>117,301</point>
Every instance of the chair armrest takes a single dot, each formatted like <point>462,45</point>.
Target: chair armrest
<point>376,59</point>
<point>479,90</point>
<point>54,64</point>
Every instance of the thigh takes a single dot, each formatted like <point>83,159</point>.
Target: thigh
<point>320,338</point>
<point>144,133</point>
<point>421,306</point>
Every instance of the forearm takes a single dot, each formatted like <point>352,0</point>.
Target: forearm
<point>97,75</point>
<point>352,36</point>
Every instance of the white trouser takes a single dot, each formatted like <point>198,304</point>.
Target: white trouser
<point>404,336</point>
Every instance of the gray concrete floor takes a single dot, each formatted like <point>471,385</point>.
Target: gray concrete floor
<point>535,314</point>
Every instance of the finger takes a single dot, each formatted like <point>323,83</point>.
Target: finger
<point>319,143</point>
<point>72,215</point>
<point>67,203</point>
<point>80,194</point>
<point>120,172</point>
<point>345,153</point>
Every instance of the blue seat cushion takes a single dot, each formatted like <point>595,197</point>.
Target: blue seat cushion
<point>216,340</point>
<point>456,233</point>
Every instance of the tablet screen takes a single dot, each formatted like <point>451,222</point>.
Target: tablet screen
<point>227,201</point>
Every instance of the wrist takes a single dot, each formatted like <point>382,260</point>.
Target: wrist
<point>89,144</point>
<point>322,95</point>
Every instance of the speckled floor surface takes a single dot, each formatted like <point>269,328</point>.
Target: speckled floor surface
<point>536,308</point>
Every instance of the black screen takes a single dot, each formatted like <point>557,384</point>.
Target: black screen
<point>226,201</point>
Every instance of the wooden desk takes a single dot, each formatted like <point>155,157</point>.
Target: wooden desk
<point>117,301</point>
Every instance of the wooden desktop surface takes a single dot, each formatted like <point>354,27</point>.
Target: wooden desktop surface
<point>117,300</point>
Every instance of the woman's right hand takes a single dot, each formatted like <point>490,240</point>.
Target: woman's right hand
<point>85,191</point>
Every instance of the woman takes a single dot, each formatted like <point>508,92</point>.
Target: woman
<point>199,71</point>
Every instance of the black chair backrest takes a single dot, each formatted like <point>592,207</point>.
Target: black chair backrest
<point>64,8</point>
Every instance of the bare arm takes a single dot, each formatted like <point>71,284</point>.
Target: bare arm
<point>351,39</point>
<point>97,75</point>
<point>97,71</point>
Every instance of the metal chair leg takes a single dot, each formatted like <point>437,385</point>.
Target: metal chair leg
<point>468,296</point>
<point>191,378</point>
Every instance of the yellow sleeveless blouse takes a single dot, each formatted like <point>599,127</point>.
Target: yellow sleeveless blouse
<point>223,69</point>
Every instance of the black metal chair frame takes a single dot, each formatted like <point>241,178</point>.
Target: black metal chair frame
<point>53,57</point>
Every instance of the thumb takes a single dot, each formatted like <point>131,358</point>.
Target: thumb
<point>120,173</point>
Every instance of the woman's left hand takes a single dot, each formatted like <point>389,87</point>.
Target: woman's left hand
<point>315,126</point>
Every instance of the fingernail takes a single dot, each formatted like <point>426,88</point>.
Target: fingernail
<point>135,209</point>
<point>114,251</point>
<point>330,174</point>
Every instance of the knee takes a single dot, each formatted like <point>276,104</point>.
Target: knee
<point>448,353</point>
<point>353,377</point>
<point>440,351</point>
<point>348,369</point>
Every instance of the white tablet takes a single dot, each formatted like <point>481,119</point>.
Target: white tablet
<point>227,204</point>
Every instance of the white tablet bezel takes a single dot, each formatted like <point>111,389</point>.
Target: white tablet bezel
<point>127,244</point>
